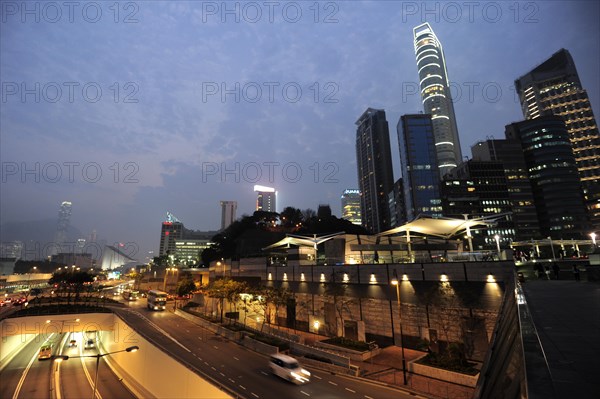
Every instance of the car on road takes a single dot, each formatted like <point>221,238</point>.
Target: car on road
<point>89,344</point>
<point>72,343</point>
<point>288,368</point>
<point>45,352</point>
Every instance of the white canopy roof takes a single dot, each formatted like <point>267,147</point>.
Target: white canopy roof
<point>440,227</point>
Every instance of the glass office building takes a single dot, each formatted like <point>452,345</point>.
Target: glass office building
<point>557,190</point>
<point>375,174</point>
<point>554,88</point>
<point>419,166</point>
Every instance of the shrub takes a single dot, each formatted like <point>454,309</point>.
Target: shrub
<point>348,343</point>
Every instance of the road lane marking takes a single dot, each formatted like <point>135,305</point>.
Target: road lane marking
<point>213,368</point>
<point>206,363</point>
<point>222,374</point>
<point>236,358</point>
<point>22,380</point>
<point>368,397</point>
<point>264,373</point>
<point>243,387</point>
<point>305,393</point>
<point>216,347</point>
<point>232,380</point>
<point>317,377</point>
<point>253,394</point>
<point>350,390</point>
<point>333,383</point>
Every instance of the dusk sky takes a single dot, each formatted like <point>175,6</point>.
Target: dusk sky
<point>122,110</point>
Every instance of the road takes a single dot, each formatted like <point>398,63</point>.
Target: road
<point>243,371</point>
<point>28,378</point>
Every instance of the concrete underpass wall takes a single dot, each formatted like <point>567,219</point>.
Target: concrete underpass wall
<point>11,345</point>
<point>151,372</point>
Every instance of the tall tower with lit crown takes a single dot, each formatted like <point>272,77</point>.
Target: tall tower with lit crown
<point>436,97</point>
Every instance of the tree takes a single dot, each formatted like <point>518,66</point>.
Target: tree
<point>281,297</point>
<point>226,288</point>
<point>71,281</point>
<point>341,301</point>
<point>185,287</point>
<point>291,217</point>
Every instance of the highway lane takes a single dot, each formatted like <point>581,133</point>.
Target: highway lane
<point>78,373</point>
<point>26,377</point>
<point>242,370</point>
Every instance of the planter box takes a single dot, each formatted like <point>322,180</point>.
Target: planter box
<point>357,356</point>
<point>442,374</point>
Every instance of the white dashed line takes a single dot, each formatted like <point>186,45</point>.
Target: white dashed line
<point>236,358</point>
<point>264,373</point>
<point>213,368</point>
<point>253,394</point>
<point>222,374</point>
<point>350,390</point>
<point>304,393</point>
<point>317,377</point>
<point>333,383</point>
<point>206,363</point>
<point>243,387</point>
<point>232,380</point>
<point>216,347</point>
<point>368,397</point>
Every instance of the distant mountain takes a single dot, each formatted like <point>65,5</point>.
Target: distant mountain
<point>39,231</point>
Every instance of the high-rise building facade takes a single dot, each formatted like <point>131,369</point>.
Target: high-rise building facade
<point>418,163</point>
<point>509,153</point>
<point>480,189</point>
<point>170,232</point>
<point>554,88</point>
<point>375,173</point>
<point>266,199</point>
<point>351,206</point>
<point>62,227</point>
<point>436,97</point>
<point>228,211</point>
<point>553,174</point>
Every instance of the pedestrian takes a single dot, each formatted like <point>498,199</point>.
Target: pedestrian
<point>556,270</point>
<point>539,270</point>
<point>547,271</point>
<point>576,272</point>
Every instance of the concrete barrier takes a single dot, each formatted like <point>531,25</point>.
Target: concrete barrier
<point>259,346</point>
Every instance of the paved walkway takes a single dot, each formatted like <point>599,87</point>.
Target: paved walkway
<point>567,318</point>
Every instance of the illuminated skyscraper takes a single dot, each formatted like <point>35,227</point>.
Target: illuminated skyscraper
<point>435,93</point>
<point>554,88</point>
<point>375,174</point>
<point>266,199</point>
<point>351,206</point>
<point>62,227</point>
<point>228,210</point>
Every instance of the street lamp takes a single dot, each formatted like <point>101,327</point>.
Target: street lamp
<point>395,281</point>
<point>60,358</point>
<point>552,248</point>
<point>497,238</point>
<point>593,235</point>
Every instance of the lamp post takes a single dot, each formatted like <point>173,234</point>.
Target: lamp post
<point>497,238</point>
<point>60,358</point>
<point>396,282</point>
<point>552,248</point>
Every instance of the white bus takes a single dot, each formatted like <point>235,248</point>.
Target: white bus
<point>157,300</point>
<point>130,295</point>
